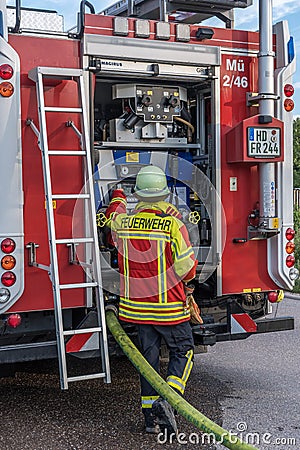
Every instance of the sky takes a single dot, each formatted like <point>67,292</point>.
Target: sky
<point>244,19</point>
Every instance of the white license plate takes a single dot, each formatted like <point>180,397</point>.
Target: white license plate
<point>263,142</point>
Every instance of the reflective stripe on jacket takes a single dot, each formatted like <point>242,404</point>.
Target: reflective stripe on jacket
<point>155,256</point>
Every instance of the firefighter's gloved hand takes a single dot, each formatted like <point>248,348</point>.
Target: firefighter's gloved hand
<point>118,193</point>
<point>101,219</point>
<point>192,305</point>
<point>189,289</point>
<point>194,310</point>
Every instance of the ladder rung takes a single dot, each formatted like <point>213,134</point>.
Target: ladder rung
<point>69,196</point>
<point>82,331</point>
<point>86,377</point>
<point>56,72</point>
<point>77,285</point>
<point>67,152</point>
<point>74,240</point>
<point>61,109</point>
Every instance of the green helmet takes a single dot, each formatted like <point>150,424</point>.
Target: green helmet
<point>151,182</point>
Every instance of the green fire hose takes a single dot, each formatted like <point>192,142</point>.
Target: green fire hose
<point>229,440</point>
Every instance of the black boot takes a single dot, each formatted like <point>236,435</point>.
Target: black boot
<point>150,422</point>
<point>165,416</point>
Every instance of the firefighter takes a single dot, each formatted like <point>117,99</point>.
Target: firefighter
<point>155,261</point>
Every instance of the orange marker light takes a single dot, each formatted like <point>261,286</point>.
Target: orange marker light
<point>8,262</point>
<point>6,89</point>
<point>289,104</point>
<point>290,247</point>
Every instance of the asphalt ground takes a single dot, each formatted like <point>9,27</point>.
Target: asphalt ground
<point>35,414</point>
<point>263,406</point>
<point>255,382</point>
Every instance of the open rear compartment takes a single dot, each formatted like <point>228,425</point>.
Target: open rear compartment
<point>170,122</point>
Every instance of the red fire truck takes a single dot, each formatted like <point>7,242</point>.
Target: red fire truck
<point>82,111</point>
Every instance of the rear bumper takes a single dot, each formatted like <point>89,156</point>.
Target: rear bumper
<point>277,324</point>
<point>212,333</point>
<point>207,334</point>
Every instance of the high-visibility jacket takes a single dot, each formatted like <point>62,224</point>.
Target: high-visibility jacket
<point>155,257</point>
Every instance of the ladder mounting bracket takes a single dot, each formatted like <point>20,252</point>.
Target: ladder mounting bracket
<point>29,122</point>
<point>72,253</point>
<point>32,246</point>
<point>70,124</point>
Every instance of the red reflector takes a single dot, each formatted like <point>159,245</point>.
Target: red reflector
<point>14,320</point>
<point>8,245</point>
<point>239,240</point>
<point>6,71</point>
<point>288,90</point>
<point>8,279</point>
<point>290,234</point>
<point>273,296</point>
<point>290,260</point>
<point>290,247</point>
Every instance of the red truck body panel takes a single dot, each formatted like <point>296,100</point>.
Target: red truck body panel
<point>66,172</point>
<point>244,266</point>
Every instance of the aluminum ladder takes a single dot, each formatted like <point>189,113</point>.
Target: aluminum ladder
<point>39,75</point>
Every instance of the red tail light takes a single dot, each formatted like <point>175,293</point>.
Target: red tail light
<point>290,261</point>
<point>290,234</point>
<point>8,279</point>
<point>14,320</point>
<point>6,71</point>
<point>8,245</point>
<point>288,90</point>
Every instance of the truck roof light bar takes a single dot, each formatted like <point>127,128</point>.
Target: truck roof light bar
<point>291,49</point>
<point>1,24</point>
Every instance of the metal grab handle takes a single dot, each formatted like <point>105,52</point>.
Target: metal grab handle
<point>16,28</point>
<point>83,4</point>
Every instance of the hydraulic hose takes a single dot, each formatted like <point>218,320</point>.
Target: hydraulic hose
<point>185,122</point>
<point>229,440</point>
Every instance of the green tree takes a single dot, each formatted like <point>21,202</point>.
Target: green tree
<point>296,145</point>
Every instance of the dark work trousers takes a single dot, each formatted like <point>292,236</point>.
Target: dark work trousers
<point>180,343</point>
